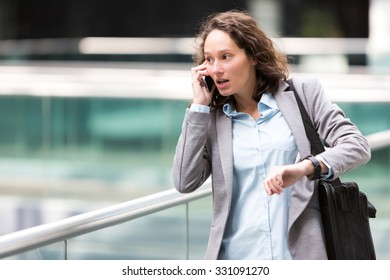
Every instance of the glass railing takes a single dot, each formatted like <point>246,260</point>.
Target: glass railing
<point>163,225</point>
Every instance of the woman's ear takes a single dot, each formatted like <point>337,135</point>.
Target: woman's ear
<point>253,61</point>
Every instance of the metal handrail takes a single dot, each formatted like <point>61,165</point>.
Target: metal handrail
<point>35,237</point>
<point>379,140</point>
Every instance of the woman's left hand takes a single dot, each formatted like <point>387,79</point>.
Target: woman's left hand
<point>282,177</point>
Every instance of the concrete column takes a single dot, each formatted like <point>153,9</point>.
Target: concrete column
<point>268,15</point>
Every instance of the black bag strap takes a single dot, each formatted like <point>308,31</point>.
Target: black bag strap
<point>311,133</point>
<point>316,144</point>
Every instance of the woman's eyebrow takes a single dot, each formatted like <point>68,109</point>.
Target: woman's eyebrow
<point>220,51</point>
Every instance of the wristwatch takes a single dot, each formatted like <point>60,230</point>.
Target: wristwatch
<point>317,168</point>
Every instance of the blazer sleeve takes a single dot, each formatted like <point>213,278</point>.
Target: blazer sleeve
<point>191,164</point>
<point>346,148</point>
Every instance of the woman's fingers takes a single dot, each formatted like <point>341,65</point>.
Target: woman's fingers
<point>273,185</point>
<point>199,71</point>
<point>201,95</point>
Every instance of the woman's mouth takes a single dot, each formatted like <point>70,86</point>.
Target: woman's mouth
<point>222,83</point>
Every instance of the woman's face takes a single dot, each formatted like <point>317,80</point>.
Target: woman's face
<point>231,69</point>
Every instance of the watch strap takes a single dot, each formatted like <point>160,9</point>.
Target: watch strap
<point>317,168</point>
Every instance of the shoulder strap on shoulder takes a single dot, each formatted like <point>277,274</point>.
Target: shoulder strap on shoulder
<point>311,133</point>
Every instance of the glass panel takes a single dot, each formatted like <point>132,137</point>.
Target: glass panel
<point>200,213</point>
<point>369,117</point>
<point>103,150</point>
<point>157,236</point>
<point>50,252</point>
<point>54,251</point>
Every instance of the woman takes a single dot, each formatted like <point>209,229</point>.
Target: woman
<point>248,134</point>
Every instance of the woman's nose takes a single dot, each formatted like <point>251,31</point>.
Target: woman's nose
<point>216,67</point>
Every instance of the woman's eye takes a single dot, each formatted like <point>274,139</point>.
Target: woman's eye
<point>225,56</point>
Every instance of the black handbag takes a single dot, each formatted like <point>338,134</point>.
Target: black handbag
<point>345,210</point>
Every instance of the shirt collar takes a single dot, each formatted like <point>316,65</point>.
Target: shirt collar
<point>267,101</point>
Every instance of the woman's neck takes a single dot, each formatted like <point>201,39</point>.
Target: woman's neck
<point>246,104</point>
<point>249,106</point>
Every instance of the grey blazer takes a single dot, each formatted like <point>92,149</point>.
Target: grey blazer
<point>205,148</point>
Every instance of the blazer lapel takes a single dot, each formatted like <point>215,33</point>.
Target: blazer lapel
<point>225,144</point>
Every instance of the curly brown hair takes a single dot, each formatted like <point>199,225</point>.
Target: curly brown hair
<point>271,65</point>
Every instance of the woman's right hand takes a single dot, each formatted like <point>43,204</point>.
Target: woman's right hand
<point>200,94</point>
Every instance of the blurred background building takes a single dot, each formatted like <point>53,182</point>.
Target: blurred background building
<point>93,93</point>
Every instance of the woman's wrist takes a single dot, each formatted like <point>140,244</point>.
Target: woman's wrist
<point>308,167</point>
<point>314,167</point>
<point>200,102</point>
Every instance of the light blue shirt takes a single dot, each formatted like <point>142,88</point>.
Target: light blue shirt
<point>257,224</point>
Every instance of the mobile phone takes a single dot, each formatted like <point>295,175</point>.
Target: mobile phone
<point>208,82</point>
